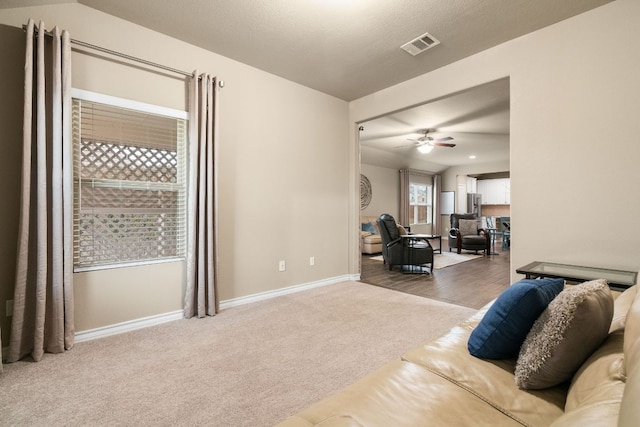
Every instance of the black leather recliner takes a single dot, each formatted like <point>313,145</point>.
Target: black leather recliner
<point>481,241</point>
<point>406,252</point>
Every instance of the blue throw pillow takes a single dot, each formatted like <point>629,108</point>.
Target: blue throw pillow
<point>368,226</point>
<point>506,324</point>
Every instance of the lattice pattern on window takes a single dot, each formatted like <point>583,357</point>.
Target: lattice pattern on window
<point>121,238</point>
<point>129,185</point>
<point>103,159</point>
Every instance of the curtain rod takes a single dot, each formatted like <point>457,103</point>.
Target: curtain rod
<point>120,54</point>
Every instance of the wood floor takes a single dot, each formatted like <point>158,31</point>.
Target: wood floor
<point>471,284</point>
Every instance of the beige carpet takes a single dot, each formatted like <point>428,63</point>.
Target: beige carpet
<point>445,259</point>
<point>252,365</point>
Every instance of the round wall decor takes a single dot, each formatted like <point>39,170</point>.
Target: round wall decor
<point>365,192</point>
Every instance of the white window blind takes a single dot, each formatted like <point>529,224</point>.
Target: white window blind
<point>129,185</point>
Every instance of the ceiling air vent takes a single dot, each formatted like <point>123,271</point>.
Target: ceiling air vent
<point>420,44</point>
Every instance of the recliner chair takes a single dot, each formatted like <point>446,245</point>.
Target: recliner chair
<point>408,253</point>
<point>468,237</point>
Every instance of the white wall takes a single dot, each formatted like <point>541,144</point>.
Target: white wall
<point>575,100</point>
<point>284,182</point>
<point>385,185</point>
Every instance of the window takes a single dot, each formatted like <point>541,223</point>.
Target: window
<point>420,203</point>
<point>129,183</point>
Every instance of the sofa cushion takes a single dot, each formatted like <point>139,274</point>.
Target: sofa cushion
<point>573,325</point>
<point>604,413</point>
<point>508,321</point>
<point>491,380</point>
<point>400,394</point>
<point>372,239</point>
<point>621,307</point>
<point>597,388</point>
<point>629,408</point>
<point>369,227</point>
<point>601,376</point>
<point>468,227</point>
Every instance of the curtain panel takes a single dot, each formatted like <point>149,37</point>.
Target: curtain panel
<point>405,180</point>
<point>43,296</point>
<point>201,296</point>
<point>437,218</point>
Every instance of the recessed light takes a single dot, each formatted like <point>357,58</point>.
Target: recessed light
<point>472,156</point>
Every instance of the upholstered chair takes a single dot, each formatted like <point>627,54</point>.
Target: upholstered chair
<point>406,252</point>
<point>466,234</point>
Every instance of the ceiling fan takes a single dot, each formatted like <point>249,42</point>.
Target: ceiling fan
<point>426,143</point>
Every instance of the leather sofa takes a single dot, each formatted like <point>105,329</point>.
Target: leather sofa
<point>441,384</point>
<point>370,242</point>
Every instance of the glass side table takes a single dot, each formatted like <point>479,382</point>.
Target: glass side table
<point>617,279</point>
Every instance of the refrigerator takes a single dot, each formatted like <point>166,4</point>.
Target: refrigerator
<point>474,204</point>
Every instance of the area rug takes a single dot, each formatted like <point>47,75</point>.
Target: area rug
<point>445,259</point>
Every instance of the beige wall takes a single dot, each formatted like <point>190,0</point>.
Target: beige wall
<point>290,181</point>
<point>11,77</point>
<point>284,181</point>
<point>385,185</point>
<point>575,98</point>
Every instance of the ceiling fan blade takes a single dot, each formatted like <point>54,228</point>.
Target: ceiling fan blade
<point>444,138</point>
<point>442,144</point>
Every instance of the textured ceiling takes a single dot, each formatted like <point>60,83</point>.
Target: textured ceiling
<point>477,119</point>
<point>346,48</point>
<point>351,48</point>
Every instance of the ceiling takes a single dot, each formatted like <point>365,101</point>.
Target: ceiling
<point>351,48</point>
<point>477,119</point>
<point>345,48</point>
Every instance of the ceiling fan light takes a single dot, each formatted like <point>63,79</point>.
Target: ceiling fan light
<point>424,149</point>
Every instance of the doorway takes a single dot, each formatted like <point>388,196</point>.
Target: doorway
<point>476,120</point>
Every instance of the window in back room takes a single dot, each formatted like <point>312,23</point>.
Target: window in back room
<point>420,203</point>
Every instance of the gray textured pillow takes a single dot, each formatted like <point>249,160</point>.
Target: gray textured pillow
<point>573,325</point>
<point>468,226</point>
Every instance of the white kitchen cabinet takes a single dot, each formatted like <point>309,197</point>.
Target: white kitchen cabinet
<point>495,191</point>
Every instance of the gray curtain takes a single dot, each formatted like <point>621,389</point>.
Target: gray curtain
<point>437,218</point>
<point>43,297</point>
<point>405,180</point>
<point>201,297</point>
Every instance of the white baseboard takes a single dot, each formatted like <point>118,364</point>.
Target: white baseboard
<point>132,325</point>
<point>284,291</point>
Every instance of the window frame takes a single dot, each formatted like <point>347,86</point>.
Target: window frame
<point>413,185</point>
<point>87,96</point>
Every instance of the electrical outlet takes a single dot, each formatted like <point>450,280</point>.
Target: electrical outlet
<point>282,266</point>
<point>312,261</point>
<point>9,307</point>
